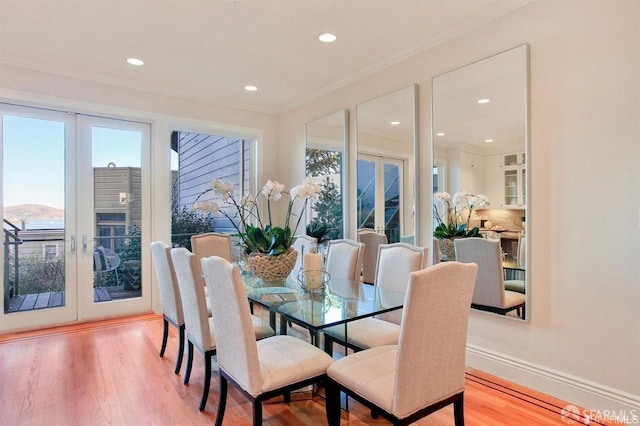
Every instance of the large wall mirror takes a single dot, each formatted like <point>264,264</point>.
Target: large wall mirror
<point>480,146</point>
<point>325,160</point>
<point>386,173</point>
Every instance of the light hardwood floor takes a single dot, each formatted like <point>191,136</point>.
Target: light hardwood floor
<point>109,373</point>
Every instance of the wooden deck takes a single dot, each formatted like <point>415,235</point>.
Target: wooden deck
<point>30,302</point>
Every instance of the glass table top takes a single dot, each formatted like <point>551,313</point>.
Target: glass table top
<point>340,302</point>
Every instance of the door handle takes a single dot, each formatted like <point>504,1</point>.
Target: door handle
<point>84,243</point>
<point>73,244</point>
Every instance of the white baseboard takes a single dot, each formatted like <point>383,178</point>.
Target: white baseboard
<point>575,390</point>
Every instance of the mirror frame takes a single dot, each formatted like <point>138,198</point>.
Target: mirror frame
<point>415,163</point>
<point>527,150</point>
<point>344,178</point>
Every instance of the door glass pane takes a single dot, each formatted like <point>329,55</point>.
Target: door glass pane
<point>366,183</point>
<point>117,205</point>
<point>34,217</point>
<point>392,202</point>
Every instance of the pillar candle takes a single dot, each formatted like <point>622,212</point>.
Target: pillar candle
<point>313,270</point>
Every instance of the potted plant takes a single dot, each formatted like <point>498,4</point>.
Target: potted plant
<point>453,215</point>
<point>267,246</point>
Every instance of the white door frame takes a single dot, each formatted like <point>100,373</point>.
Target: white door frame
<point>67,313</point>
<point>87,309</point>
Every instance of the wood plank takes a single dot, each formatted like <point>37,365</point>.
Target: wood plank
<point>101,294</point>
<point>15,303</point>
<point>56,299</point>
<point>42,301</point>
<point>29,302</point>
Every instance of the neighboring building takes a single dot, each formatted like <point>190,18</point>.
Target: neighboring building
<point>117,203</point>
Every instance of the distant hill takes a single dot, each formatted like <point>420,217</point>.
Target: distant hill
<point>25,212</point>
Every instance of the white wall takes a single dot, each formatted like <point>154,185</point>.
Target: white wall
<point>582,343</point>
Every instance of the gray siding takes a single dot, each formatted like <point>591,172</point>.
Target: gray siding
<point>109,183</point>
<point>204,158</point>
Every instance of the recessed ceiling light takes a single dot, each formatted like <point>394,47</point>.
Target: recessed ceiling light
<point>484,101</point>
<point>488,140</point>
<point>327,38</point>
<point>135,61</point>
<point>439,134</point>
<point>395,123</point>
<point>250,88</point>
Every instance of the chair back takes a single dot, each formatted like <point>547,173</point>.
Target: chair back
<point>167,282</point>
<point>194,302</point>
<point>302,244</point>
<point>395,264</point>
<point>212,244</point>
<point>489,288</point>
<point>235,337</point>
<point>344,259</point>
<point>433,336</point>
<point>436,251</point>
<point>371,241</point>
<point>105,260</point>
<point>522,250</point>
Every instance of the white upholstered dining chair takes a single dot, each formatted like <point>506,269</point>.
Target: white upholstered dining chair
<point>344,259</point>
<point>199,327</point>
<point>490,293</point>
<point>371,241</point>
<point>211,244</point>
<point>169,297</point>
<point>261,370</point>
<point>395,264</point>
<point>425,370</point>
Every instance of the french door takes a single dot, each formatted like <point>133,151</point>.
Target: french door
<point>380,195</point>
<point>60,203</point>
<point>113,196</point>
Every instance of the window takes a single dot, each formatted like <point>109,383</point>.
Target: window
<point>49,252</point>
<point>111,228</point>
<point>197,160</point>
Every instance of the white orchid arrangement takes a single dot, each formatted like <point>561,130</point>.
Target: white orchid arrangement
<point>453,214</point>
<point>259,237</point>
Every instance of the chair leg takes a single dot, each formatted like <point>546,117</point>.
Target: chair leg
<point>458,410</point>
<point>207,380</point>
<point>332,403</point>
<point>180,348</point>
<point>257,413</point>
<point>328,345</point>
<point>187,372</point>
<point>165,336</point>
<point>287,396</point>
<point>222,401</point>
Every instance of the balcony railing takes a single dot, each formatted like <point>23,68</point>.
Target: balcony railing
<point>11,241</point>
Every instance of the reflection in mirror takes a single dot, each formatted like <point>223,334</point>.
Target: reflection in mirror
<point>326,144</point>
<point>387,145</point>
<point>479,146</point>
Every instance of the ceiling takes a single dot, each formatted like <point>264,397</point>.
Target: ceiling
<point>209,50</point>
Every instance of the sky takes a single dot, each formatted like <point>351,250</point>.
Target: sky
<point>34,162</point>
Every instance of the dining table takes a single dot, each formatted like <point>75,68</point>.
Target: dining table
<point>340,302</point>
